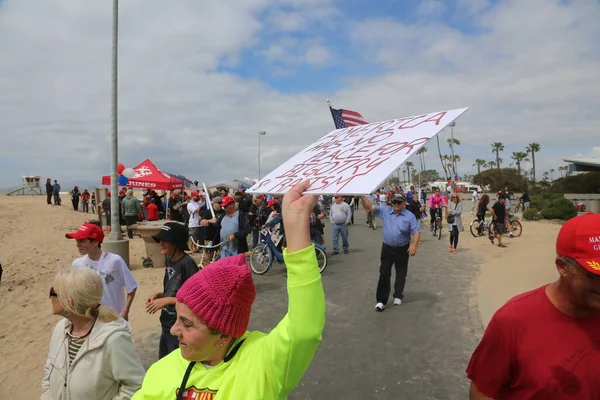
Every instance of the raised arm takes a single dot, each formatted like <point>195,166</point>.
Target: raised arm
<point>367,203</point>
<point>291,346</point>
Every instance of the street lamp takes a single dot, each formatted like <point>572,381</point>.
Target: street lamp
<point>115,234</point>
<point>261,133</point>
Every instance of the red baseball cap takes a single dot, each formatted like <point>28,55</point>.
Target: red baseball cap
<point>271,202</point>
<point>579,238</point>
<point>227,200</point>
<point>87,231</point>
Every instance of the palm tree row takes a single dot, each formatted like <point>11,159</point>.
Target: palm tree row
<point>517,156</point>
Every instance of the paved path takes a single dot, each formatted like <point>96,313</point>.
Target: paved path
<point>418,350</point>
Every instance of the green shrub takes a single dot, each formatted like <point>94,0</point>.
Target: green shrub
<point>532,214</point>
<point>559,208</point>
<point>543,200</point>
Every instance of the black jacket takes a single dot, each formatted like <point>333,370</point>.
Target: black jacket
<point>48,188</point>
<point>240,235</point>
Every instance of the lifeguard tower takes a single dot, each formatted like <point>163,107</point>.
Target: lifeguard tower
<point>30,184</point>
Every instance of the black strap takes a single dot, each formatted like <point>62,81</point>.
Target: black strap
<point>186,376</point>
<point>234,351</point>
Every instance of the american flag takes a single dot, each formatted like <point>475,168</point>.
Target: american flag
<point>345,118</point>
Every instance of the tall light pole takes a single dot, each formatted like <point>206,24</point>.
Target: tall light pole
<point>261,133</point>
<point>115,234</point>
<point>452,125</point>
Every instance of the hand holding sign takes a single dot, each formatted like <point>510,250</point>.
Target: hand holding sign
<point>356,160</point>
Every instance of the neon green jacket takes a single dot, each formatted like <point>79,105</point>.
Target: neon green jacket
<point>264,366</point>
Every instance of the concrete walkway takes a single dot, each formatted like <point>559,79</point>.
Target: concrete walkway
<point>418,350</point>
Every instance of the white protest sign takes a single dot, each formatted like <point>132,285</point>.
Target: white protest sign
<point>356,160</point>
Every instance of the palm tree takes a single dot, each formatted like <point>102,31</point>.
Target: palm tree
<point>404,173</point>
<point>492,164</point>
<point>453,142</point>
<point>497,147</point>
<point>441,157</point>
<point>545,175</point>
<point>480,163</point>
<point>551,172</point>
<point>563,168</point>
<point>519,157</point>
<point>533,148</point>
<point>421,154</point>
<point>409,165</point>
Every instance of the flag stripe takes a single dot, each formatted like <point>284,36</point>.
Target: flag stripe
<point>345,118</point>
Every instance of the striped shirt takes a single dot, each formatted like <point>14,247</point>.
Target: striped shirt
<point>74,346</point>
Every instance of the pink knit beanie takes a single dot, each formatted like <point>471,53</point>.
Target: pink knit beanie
<point>221,294</point>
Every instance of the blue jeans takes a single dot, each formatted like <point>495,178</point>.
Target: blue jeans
<point>337,230</point>
<point>228,251</point>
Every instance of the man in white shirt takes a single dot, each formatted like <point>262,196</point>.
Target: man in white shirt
<point>194,208</point>
<point>116,276</point>
<point>475,201</point>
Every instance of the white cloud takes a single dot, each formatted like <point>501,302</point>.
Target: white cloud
<point>529,73</point>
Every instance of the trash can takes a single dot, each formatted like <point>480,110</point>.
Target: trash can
<point>147,229</point>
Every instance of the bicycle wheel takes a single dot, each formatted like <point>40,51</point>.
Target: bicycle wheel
<point>516,228</point>
<point>321,259</point>
<point>474,228</point>
<point>439,231</point>
<point>261,259</point>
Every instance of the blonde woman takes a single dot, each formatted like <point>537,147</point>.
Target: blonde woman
<point>455,225</point>
<point>91,355</point>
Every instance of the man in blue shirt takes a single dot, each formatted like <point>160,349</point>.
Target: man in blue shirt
<point>399,226</point>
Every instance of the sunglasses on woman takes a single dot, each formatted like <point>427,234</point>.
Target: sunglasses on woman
<point>53,293</point>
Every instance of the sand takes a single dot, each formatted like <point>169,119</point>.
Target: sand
<point>33,247</point>
<point>526,263</point>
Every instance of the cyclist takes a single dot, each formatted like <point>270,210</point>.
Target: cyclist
<point>436,202</point>
<point>482,209</point>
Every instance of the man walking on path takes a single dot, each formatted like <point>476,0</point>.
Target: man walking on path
<point>399,225</point>
<point>131,209</point>
<point>49,191</point>
<point>543,344</point>
<point>111,268</point>
<point>341,216</point>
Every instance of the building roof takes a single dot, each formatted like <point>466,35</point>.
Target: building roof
<point>583,164</point>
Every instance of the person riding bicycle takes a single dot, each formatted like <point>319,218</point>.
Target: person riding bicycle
<point>316,225</point>
<point>275,223</point>
<point>436,202</point>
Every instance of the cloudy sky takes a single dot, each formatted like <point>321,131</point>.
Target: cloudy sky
<point>199,79</point>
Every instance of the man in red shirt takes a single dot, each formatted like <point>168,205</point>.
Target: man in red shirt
<point>152,210</point>
<point>545,344</point>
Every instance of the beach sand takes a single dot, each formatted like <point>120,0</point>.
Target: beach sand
<point>33,247</point>
<point>526,263</point>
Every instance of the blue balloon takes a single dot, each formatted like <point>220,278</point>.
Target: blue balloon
<point>123,180</point>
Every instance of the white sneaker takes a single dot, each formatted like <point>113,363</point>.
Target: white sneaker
<point>379,307</point>
<point>397,301</point>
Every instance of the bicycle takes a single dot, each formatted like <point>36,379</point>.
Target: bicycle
<point>371,220</point>
<point>437,226</point>
<point>478,228</point>
<point>518,207</point>
<point>515,226</point>
<point>263,255</point>
<point>210,253</point>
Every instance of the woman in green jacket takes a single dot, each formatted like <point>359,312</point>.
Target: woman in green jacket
<point>217,358</point>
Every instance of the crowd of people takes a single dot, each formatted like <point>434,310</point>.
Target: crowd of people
<point>204,347</point>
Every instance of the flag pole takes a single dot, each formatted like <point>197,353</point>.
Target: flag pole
<point>331,111</point>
